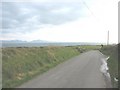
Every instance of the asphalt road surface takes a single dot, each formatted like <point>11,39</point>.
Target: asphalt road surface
<point>82,71</point>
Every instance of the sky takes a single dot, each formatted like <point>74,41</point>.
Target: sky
<point>60,20</point>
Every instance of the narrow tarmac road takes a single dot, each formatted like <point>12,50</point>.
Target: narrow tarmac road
<point>82,71</point>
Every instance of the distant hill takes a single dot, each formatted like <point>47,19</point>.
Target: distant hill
<point>13,41</point>
<point>38,41</point>
<point>43,41</point>
<point>20,41</point>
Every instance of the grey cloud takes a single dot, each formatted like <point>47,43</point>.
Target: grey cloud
<point>24,17</point>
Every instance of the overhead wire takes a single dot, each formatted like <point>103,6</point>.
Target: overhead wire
<point>84,3</point>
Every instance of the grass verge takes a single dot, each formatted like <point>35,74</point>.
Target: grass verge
<point>112,51</point>
<point>21,64</point>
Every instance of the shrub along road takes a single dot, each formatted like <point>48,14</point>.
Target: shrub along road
<point>82,71</point>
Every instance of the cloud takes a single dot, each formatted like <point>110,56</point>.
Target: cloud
<point>48,20</point>
<point>27,16</point>
<point>62,10</point>
<point>84,30</point>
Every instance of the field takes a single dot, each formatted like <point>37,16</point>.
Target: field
<point>112,51</point>
<point>21,64</point>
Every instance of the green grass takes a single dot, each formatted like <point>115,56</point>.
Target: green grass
<point>112,51</point>
<point>22,64</point>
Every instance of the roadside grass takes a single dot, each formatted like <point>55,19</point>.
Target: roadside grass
<point>20,64</point>
<point>84,48</point>
<point>112,51</point>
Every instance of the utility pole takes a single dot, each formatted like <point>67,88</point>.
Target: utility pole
<point>108,38</point>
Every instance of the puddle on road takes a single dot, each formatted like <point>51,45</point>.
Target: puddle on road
<point>104,69</point>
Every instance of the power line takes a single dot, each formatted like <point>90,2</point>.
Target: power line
<point>88,8</point>
<point>96,18</point>
<point>92,12</point>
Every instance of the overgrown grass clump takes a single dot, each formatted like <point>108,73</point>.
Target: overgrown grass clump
<point>22,63</point>
<point>112,51</point>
